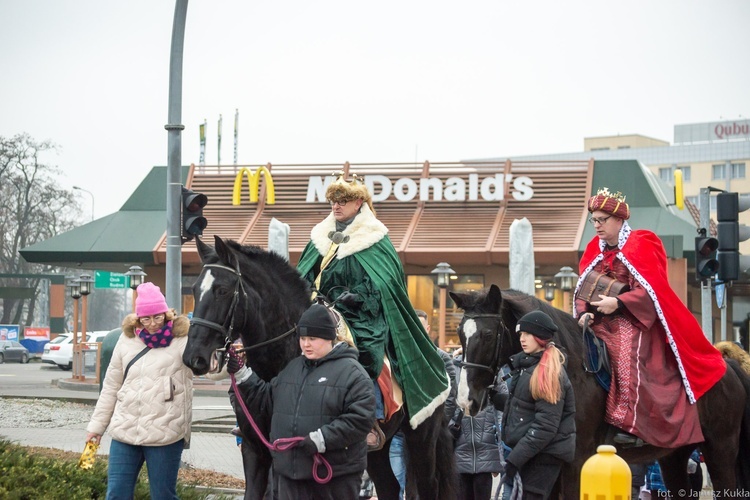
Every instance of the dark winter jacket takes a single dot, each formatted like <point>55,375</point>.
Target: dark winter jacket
<point>533,426</point>
<point>333,394</point>
<point>450,369</point>
<point>477,447</point>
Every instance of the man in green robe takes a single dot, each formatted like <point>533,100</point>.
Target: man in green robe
<point>357,258</point>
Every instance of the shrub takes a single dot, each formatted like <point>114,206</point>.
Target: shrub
<point>30,476</point>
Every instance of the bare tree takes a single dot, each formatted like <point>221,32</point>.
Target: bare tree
<point>33,208</point>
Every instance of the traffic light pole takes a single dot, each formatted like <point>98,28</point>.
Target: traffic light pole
<point>706,307</point>
<point>174,160</point>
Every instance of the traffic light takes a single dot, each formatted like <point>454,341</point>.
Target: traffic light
<point>728,207</point>
<point>193,222</point>
<point>706,264</point>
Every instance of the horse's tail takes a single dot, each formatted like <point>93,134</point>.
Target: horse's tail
<point>743,455</point>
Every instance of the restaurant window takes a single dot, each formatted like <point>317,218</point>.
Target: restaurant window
<point>424,294</point>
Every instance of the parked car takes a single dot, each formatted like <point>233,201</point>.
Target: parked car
<point>60,350</point>
<point>10,350</point>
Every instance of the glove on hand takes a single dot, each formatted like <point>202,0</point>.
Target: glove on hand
<point>350,300</point>
<point>236,366</point>
<point>235,363</point>
<point>307,446</point>
<point>510,472</point>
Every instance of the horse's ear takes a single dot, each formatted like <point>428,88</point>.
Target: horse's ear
<point>495,297</point>
<point>204,251</point>
<point>459,298</point>
<point>224,252</point>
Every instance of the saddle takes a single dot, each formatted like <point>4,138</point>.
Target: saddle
<point>596,359</point>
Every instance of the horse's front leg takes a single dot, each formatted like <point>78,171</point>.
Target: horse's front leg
<point>674,472</point>
<point>256,459</point>
<point>381,474</point>
<point>256,464</point>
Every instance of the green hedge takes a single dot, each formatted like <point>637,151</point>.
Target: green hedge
<point>25,476</point>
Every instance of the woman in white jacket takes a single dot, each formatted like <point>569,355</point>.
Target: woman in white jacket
<point>146,402</point>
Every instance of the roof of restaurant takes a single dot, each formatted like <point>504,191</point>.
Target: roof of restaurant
<point>423,232</point>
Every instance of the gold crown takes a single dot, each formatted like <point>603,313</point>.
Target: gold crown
<point>617,196</point>
<point>341,178</point>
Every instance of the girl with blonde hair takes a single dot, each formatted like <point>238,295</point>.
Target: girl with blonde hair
<point>539,417</point>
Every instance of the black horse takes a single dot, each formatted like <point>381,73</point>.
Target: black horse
<point>244,291</point>
<point>724,410</point>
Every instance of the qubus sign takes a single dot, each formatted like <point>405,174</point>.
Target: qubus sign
<point>491,188</point>
<point>728,131</point>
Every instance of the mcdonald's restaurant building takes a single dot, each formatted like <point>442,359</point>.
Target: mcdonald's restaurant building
<point>457,213</point>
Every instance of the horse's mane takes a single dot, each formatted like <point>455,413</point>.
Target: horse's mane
<point>271,264</point>
<point>279,296</point>
<point>520,303</point>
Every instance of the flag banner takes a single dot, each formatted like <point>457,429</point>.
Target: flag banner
<point>218,153</point>
<point>236,129</point>
<point>202,158</point>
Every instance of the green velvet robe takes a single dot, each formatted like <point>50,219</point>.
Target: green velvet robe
<point>384,321</point>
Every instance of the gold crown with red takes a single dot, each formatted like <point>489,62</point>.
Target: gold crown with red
<point>611,203</point>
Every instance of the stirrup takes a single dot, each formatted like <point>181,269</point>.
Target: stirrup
<point>375,438</point>
<point>628,440</point>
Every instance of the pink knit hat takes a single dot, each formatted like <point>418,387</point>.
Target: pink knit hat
<point>149,301</point>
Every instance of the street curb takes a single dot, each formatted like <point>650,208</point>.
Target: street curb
<point>70,385</point>
<point>85,401</point>
<point>220,390</point>
<point>224,491</point>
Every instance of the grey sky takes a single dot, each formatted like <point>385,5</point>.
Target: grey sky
<point>336,81</point>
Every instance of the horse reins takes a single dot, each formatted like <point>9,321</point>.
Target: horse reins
<point>281,444</point>
<point>284,444</point>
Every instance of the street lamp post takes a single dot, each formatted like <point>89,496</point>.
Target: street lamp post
<point>566,279</point>
<point>136,275</point>
<point>75,294</point>
<point>92,198</point>
<point>549,290</point>
<point>86,282</point>
<point>443,272</point>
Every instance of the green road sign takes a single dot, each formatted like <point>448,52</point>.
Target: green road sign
<point>106,279</point>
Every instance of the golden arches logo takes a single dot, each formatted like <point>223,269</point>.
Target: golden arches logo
<point>253,181</point>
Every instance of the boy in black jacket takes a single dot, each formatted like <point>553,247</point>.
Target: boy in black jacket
<point>324,395</point>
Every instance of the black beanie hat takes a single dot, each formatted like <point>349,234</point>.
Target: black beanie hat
<point>538,324</point>
<point>317,321</point>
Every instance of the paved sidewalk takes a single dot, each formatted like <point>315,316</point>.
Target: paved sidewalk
<point>208,450</point>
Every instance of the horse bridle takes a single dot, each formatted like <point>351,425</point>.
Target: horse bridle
<point>228,327</point>
<point>492,367</point>
<point>281,444</point>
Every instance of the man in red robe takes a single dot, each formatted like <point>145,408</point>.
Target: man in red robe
<point>662,363</point>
